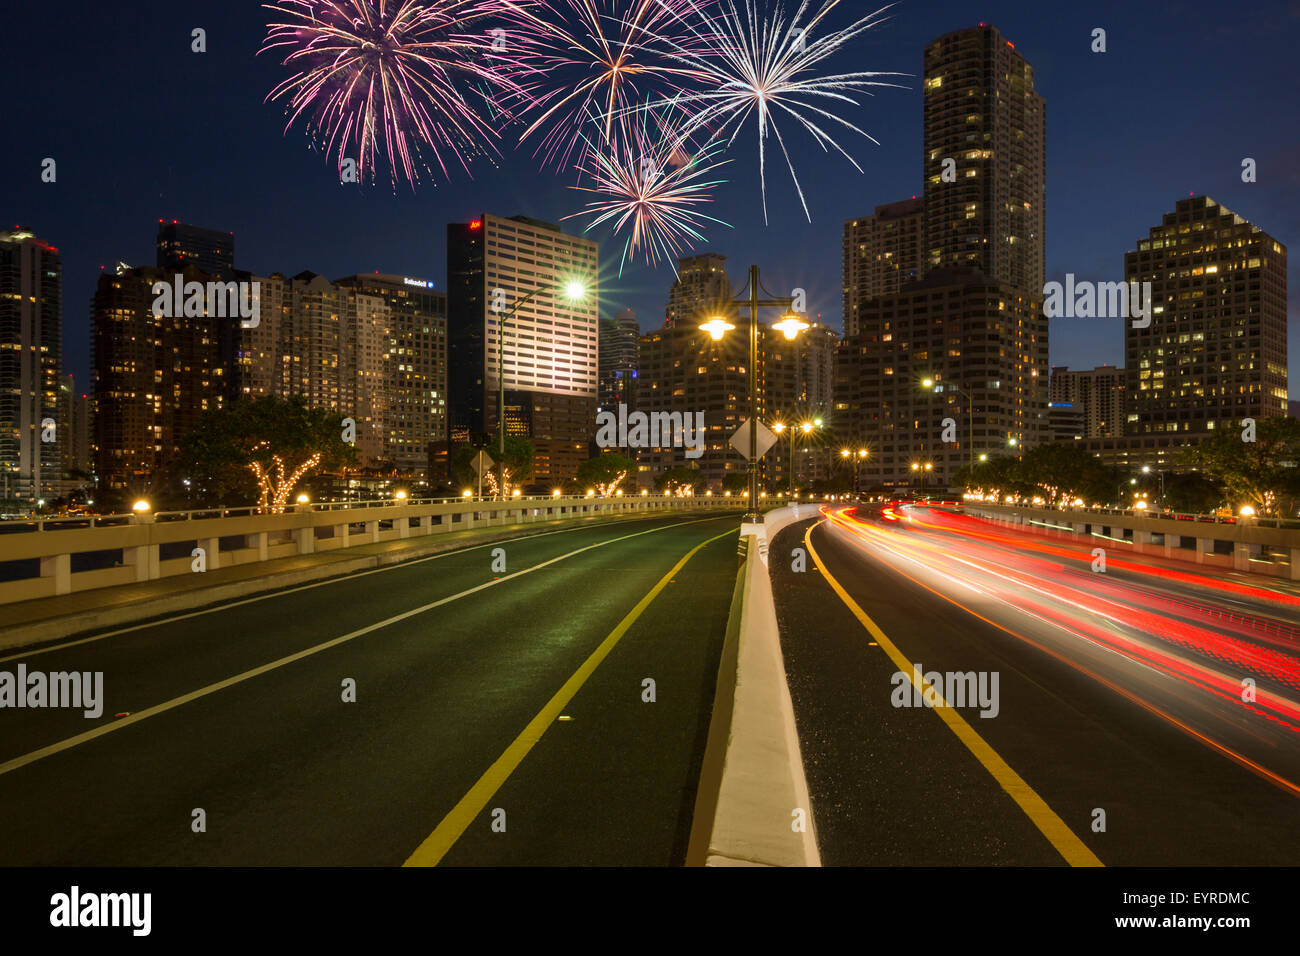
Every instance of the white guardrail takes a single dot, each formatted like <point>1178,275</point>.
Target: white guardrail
<point>52,556</point>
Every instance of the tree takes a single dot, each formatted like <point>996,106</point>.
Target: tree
<point>1264,473</point>
<point>605,472</point>
<point>1059,474</point>
<point>737,482</point>
<point>518,464</point>
<point>681,481</point>
<point>1193,494</point>
<point>261,448</point>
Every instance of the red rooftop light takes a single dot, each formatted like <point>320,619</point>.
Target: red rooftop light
<point>476,224</point>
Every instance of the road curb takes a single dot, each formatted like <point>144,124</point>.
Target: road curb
<point>752,781</point>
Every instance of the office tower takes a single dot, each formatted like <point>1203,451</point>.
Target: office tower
<point>619,338</point>
<point>968,335</point>
<point>881,252</point>
<point>31,320</point>
<point>183,246</point>
<point>1096,393</point>
<point>983,114</point>
<point>516,270</point>
<point>74,421</point>
<point>1215,350</point>
<point>154,375</point>
<point>415,389</point>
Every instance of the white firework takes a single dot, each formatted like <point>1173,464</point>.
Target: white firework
<point>770,66</point>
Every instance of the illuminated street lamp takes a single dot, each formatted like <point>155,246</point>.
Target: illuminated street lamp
<point>930,383</point>
<point>141,506</point>
<point>1247,511</point>
<point>790,326</point>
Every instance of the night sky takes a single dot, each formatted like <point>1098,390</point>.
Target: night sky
<point>143,129</point>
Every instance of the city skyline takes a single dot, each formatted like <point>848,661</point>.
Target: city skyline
<point>1099,194</point>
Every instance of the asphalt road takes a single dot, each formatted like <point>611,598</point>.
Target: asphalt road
<point>1118,692</point>
<point>462,674</point>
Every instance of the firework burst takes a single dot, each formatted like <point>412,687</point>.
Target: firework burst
<point>649,181</point>
<point>770,67</point>
<point>384,78</point>
<point>575,59</point>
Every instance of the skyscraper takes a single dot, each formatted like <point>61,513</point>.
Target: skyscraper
<point>31,319</point>
<point>973,326</point>
<point>154,375</point>
<point>985,163</point>
<point>619,339</point>
<point>549,345</point>
<point>1096,393</point>
<point>415,387</point>
<point>181,245</point>
<point>881,252</point>
<point>1215,350</point>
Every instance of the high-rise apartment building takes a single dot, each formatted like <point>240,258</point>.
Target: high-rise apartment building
<point>700,291</point>
<point>1096,393</point>
<point>881,252</point>
<point>985,162</point>
<point>619,343</point>
<point>31,320</point>
<point>415,389</point>
<point>1215,350</point>
<point>183,246</point>
<point>974,324</point>
<point>517,271</point>
<point>154,375</point>
<point>980,344</point>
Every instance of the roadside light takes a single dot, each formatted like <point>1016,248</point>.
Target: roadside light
<point>1140,505</point>
<point>645,492</point>
<point>928,383</point>
<point>466,493</point>
<point>790,325</point>
<point>762,494</point>
<point>929,466</point>
<point>517,493</point>
<point>717,327</point>
<point>400,496</point>
<point>779,427</point>
<point>619,493</point>
<point>727,494</point>
<point>807,427</point>
<point>863,452</point>
<point>1013,442</point>
<point>817,422</point>
<point>1146,469</point>
<point>1247,511</point>
<point>555,493</point>
<point>707,494</point>
<point>844,453</point>
<point>915,466</point>
<point>984,457</point>
<point>140,506</point>
<point>591,492</point>
<point>575,291</point>
<point>1132,481</point>
<point>303,499</point>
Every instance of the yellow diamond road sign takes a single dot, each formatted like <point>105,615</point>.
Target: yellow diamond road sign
<point>766,438</point>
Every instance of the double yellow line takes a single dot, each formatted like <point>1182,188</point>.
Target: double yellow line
<point>1075,852</point>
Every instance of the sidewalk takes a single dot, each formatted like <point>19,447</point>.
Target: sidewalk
<point>45,619</point>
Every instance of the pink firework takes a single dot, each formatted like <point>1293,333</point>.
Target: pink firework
<point>391,78</point>
<point>572,62</point>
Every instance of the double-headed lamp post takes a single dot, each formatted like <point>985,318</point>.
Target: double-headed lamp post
<point>574,291</point>
<point>858,458</point>
<point>790,325</point>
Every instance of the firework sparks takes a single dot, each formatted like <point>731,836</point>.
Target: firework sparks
<point>577,58</point>
<point>649,181</point>
<point>770,67</point>
<point>382,77</point>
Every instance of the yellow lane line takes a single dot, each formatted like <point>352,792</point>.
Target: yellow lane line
<point>1074,850</point>
<point>458,820</point>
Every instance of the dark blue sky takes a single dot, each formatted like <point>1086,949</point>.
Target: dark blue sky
<point>142,128</point>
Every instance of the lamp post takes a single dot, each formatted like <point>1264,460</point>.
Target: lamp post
<point>970,410</point>
<point>858,457</point>
<point>574,291</point>
<point>791,325</point>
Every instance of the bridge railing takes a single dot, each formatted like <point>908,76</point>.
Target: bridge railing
<point>53,556</point>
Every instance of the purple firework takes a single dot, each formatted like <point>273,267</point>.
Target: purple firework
<point>390,77</point>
